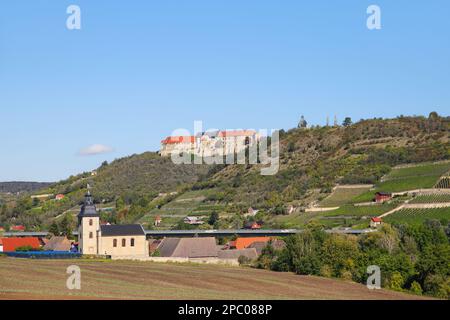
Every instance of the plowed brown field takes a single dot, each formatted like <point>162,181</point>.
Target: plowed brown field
<point>46,279</point>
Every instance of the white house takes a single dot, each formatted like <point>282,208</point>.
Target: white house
<point>375,222</point>
<point>193,221</point>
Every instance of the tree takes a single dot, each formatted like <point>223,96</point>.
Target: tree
<point>303,253</point>
<point>36,202</point>
<point>213,218</point>
<point>54,229</point>
<point>291,146</point>
<point>434,261</point>
<point>279,210</point>
<point>347,122</point>
<point>433,115</point>
<point>66,226</point>
<point>396,281</point>
<point>120,204</point>
<point>416,288</point>
<point>388,239</point>
<point>340,253</point>
<point>4,210</point>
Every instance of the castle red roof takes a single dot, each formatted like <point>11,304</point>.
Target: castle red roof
<point>179,139</point>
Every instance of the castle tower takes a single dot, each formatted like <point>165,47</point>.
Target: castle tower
<point>89,227</point>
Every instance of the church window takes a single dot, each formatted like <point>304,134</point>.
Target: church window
<point>91,222</point>
<point>91,235</point>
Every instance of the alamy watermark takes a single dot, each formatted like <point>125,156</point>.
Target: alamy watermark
<point>74,280</point>
<point>374,279</point>
<point>374,20</point>
<point>73,21</point>
<point>227,147</point>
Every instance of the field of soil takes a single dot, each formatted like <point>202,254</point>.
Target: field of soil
<point>46,279</point>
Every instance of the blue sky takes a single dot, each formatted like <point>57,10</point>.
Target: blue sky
<point>137,70</point>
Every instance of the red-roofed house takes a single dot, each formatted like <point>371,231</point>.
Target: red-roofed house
<point>375,222</point>
<point>1,245</point>
<point>253,225</point>
<point>19,228</point>
<point>11,244</point>
<point>243,243</point>
<point>59,197</point>
<point>382,197</point>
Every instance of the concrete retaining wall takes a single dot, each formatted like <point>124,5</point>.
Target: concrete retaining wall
<point>321,209</point>
<point>229,262</point>
<point>423,192</point>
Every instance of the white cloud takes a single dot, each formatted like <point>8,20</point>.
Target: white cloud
<point>95,149</point>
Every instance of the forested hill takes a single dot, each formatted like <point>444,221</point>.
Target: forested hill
<point>20,186</point>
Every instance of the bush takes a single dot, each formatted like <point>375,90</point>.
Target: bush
<point>396,281</point>
<point>26,249</point>
<point>244,261</point>
<point>411,258</point>
<point>438,286</point>
<point>157,253</point>
<point>416,288</point>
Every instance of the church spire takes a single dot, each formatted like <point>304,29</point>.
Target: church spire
<point>88,197</point>
<point>88,208</point>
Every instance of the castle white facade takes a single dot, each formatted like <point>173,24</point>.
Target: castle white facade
<point>209,144</point>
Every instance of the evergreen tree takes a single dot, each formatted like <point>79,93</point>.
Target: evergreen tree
<point>214,217</point>
<point>347,122</point>
<point>54,229</point>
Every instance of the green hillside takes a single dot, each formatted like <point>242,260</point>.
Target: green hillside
<point>341,196</point>
<point>312,162</point>
<point>419,216</point>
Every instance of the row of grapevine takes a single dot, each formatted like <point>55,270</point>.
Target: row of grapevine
<point>432,198</point>
<point>417,216</point>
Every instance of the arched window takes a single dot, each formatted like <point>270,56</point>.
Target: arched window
<point>132,242</point>
<point>91,222</point>
<point>124,242</point>
<point>115,243</point>
<point>247,141</point>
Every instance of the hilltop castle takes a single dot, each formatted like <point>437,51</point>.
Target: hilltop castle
<point>211,143</point>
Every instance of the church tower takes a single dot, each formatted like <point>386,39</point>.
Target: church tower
<point>89,227</point>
